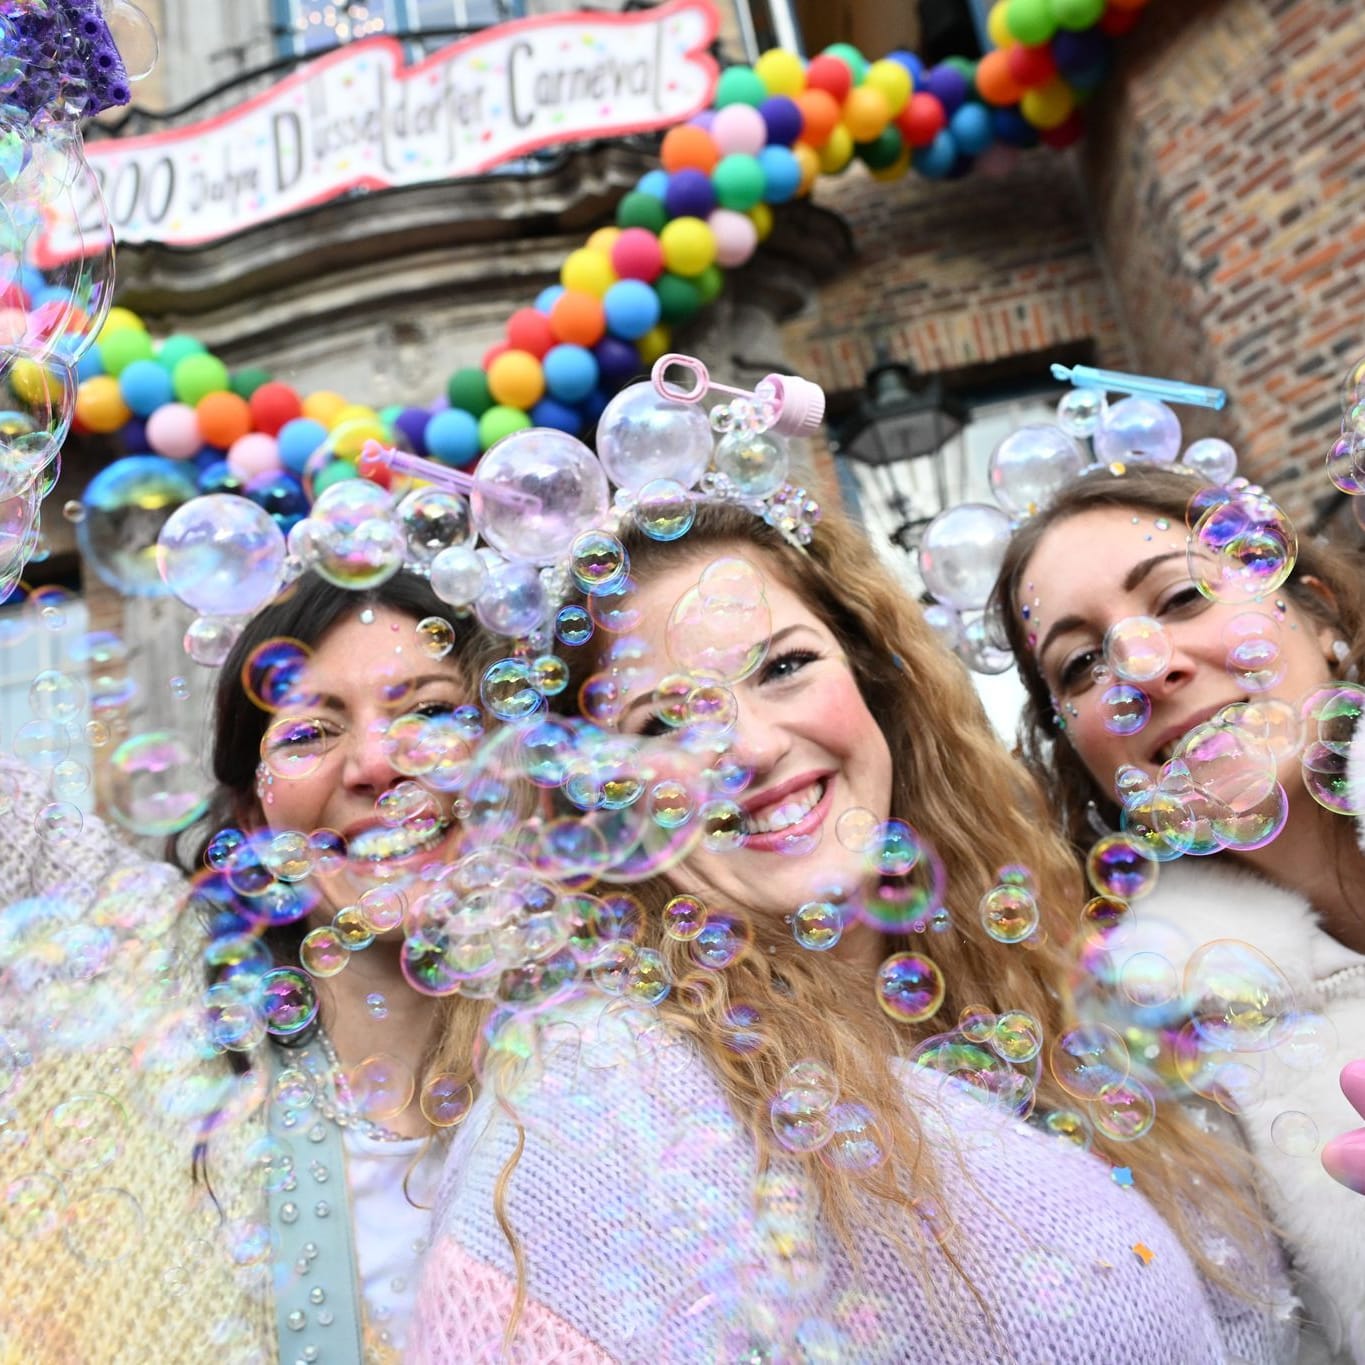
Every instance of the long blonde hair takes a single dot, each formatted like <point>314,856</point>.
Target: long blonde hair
<point>981,811</point>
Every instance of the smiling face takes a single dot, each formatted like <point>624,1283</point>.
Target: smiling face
<point>328,753</point>
<point>801,728</point>
<point>1108,567</point>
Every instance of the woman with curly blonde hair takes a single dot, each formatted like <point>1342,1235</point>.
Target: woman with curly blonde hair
<point>861,1123</point>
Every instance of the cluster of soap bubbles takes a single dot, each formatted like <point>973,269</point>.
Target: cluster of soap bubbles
<point>1346,458</point>
<point>962,548</point>
<point>60,62</point>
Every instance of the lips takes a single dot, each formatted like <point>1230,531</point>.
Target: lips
<point>377,843</point>
<point>1173,734</point>
<point>779,817</point>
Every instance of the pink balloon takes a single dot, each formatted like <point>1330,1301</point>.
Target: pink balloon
<point>252,454</point>
<point>739,128</point>
<point>13,326</point>
<point>735,234</point>
<point>173,431</point>
<point>637,255</point>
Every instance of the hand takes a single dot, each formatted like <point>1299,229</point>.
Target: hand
<point>1344,1156</point>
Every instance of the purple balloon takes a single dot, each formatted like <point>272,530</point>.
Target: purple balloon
<point>690,194</point>
<point>704,120</point>
<point>783,117</point>
<point>133,434</point>
<point>617,362</point>
<point>412,422</point>
<point>948,85</point>
<point>1079,51</point>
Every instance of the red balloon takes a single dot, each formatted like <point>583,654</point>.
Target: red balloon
<point>1117,22</point>
<point>637,255</point>
<point>831,75</point>
<point>1032,66</point>
<point>922,119</point>
<point>528,330</point>
<point>1065,133</point>
<point>272,405</point>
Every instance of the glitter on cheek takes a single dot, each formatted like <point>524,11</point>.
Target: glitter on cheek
<point>1033,639</point>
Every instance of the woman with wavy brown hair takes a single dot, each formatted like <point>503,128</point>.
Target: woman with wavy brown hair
<point>1266,683</point>
<point>857,1120</point>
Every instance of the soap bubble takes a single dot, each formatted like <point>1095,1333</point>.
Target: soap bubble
<point>573,626</point>
<point>209,640</point>
<point>1124,1111</point>
<point>434,519</point>
<point>960,554</point>
<point>1337,710</point>
<point>157,785</point>
<point>1009,914</point>
<point>1087,1058</point>
<point>355,538</point>
<point>1117,868</point>
<point>222,555</point>
<point>1295,1133</point>
<point>1148,980</point>
<point>818,925</point>
<point>1031,466</point>
<point>598,561</point>
<point>288,1001</point>
<point>756,463</point>
<point>1242,549</point>
<point>535,492</point>
<point>1124,709</point>
<point>135,36</point>
<point>1138,648</point>
<point>642,437</point>
<point>1254,659</point>
<point>979,1071</point>
<point>1016,1036</point>
<point>665,510</point>
<point>910,987</point>
<point>1326,775</point>
<point>1214,460</point>
<point>513,600</point>
<point>1080,411</point>
<point>1138,429</point>
<point>458,575</point>
<point>1344,464</point>
<point>127,505</point>
<point>1240,1001</point>
<point>1227,764</point>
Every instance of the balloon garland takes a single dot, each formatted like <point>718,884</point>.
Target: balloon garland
<point>773,129</point>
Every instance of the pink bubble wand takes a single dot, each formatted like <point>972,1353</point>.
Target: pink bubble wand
<point>374,455</point>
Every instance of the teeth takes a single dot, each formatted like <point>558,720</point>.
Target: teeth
<point>380,843</point>
<point>788,813</point>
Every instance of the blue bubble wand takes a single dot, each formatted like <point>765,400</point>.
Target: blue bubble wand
<point>1167,390</point>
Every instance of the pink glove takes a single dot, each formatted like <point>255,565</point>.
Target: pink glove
<point>1344,1156</point>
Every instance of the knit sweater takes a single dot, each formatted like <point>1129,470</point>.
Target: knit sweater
<point>649,1236</point>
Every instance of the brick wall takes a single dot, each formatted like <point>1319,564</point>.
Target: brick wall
<point>1228,182</point>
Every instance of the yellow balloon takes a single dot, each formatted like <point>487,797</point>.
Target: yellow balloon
<point>99,404</point>
<point>810,166</point>
<point>689,246</point>
<point>894,82</point>
<point>762,217</point>
<point>866,113</point>
<point>34,384</point>
<point>783,72</point>
<point>122,320</point>
<point>586,271</point>
<point>997,25</point>
<point>896,169</point>
<point>1048,105</point>
<point>324,406</point>
<point>348,436</point>
<point>837,152</point>
<point>655,342</point>
<point>604,239</point>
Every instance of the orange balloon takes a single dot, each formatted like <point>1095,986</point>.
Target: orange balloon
<point>223,418</point>
<point>820,114</point>
<point>688,147</point>
<point>809,161</point>
<point>866,113</point>
<point>995,81</point>
<point>578,319</point>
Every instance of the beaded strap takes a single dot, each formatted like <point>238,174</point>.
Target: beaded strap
<point>317,1299</point>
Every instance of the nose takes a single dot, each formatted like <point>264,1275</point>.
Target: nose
<point>368,767</point>
<point>760,739</point>
<point>1181,668</point>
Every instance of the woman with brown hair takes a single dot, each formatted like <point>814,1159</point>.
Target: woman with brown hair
<point>848,924</point>
<point>1262,684</point>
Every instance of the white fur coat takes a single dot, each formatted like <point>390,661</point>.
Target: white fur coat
<point>1323,1222</point>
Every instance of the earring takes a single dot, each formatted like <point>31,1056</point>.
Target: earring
<point>1340,649</point>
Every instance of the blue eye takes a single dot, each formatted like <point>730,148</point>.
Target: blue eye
<point>787,665</point>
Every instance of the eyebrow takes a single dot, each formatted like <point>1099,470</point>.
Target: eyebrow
<point>1132,579</point>
<point>647,698</point>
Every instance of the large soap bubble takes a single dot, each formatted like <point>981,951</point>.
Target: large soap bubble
<point>642,437</point>
<point>36,407</point>
<point>222,555</point>
<point>355,539</point>
<point>125,507</point>
<point>1138,429</point>
<point>1031,466</point>
<point>961,552</point>
<point>157,785</point>
<point>535,492</point>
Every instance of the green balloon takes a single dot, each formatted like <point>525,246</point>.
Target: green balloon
<point>679,298</point>
<point>389,413</point>
<point>176,347</point>
<point>498,422</point>
<point>710,283</point>
<point>246,382</point>
<point>196,376</point>
<point>1077,15</point>
<point>468,389</point>
<point>641,210</point>
<point>333,472</point>
<point>883,151</point>
<point>118,350</point>
<point>740,85</point>
<point>739,181</point>
<point>1030,21</point>
<point>851,57</point>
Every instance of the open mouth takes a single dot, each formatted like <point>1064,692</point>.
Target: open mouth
<point>789,812</point>
<point>384,844</point>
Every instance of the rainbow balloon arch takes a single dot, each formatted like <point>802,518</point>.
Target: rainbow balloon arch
<point>773,129</point>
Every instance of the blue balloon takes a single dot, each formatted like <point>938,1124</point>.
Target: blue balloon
<point>452,437</point>
<point>216,477</point>
<point>1013,129</point>
<point>145,386</point>
<point>782,173</point>
<point>972,129</point>
<point>937,159</point>
<point>89,365</point>
<point>31,280</point>
<point>653,183</point>
<point>911,63</point>
<point>550,412</point>
<point>548,297</point>
<point>593,406</point>
<point>570,372</point>
<point>298,440</point>
<point>281,495</point>
<point>690,194</point>
<point>632,308</point>
<point>132,436</point>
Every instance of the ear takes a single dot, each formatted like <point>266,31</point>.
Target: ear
<point>1327,631</point>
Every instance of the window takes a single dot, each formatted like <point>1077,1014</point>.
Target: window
<point>309,26</point>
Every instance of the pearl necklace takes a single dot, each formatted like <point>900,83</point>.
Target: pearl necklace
<point>341,1108</point>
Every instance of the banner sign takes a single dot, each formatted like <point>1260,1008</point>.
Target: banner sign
<point>360,117</point>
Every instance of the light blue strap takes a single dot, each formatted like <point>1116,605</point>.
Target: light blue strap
<point>317,1300</point>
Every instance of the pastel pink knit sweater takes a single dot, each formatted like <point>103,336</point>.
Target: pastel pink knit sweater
<point>648,1236</point>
